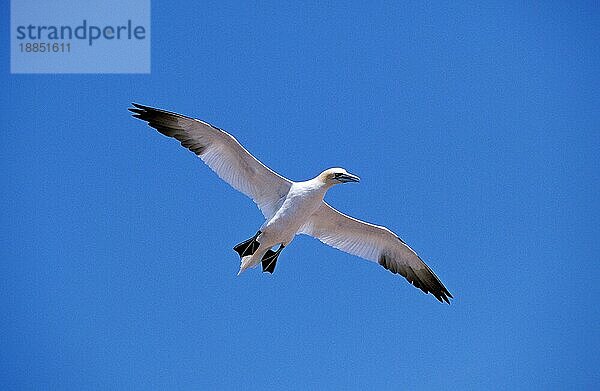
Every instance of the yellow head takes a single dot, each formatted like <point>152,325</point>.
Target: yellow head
<point>333,176</point>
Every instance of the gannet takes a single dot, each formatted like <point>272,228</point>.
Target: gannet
<point>291,208</point>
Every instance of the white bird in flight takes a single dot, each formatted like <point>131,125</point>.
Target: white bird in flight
<point>291,208</point>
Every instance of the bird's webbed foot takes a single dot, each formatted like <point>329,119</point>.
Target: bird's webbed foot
<point>270,259</point>
<point>248,247</point>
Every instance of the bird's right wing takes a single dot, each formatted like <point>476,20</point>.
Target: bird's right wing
<point>223,154</point>
<point>374,243</point>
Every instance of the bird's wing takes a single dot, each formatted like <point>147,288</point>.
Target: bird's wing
<point>223,154</point>
<point>374,243</point>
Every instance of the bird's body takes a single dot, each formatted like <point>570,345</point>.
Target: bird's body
<point>291,208</point>
<point>301,202</point>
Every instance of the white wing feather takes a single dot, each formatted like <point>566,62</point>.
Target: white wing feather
<point>374,243</point>
<point>223,154</point>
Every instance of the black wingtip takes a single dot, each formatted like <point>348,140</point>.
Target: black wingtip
<point>446,296</point>
<point>139,111</point>
<point>443,296</point>
<point>153,110</point>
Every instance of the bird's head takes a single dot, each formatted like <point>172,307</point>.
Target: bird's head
<point>333,176</point>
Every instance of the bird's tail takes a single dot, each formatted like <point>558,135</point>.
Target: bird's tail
<point>249,261</point>
<point>245,264</point>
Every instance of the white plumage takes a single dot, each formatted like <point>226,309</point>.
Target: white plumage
<point>291,208</point>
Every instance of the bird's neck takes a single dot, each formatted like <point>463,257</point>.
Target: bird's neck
<point>315,185</point>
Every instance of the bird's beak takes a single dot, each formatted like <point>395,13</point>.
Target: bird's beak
<point>344,178</point>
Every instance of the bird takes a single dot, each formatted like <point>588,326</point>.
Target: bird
<point>291,208</point>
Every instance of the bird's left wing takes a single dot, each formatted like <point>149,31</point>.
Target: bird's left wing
<point>374,243</point>
<point>223,154</point>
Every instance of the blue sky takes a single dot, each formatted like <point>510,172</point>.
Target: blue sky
<point>474,128</point>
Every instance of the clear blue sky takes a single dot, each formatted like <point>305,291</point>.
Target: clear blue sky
<point>474,128</point>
